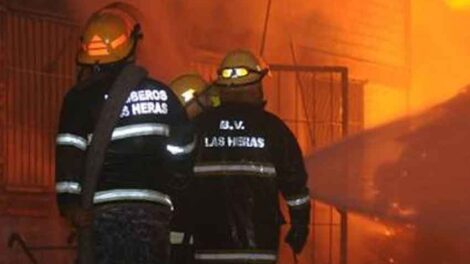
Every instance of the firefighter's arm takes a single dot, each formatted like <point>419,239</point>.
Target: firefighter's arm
<point>292,182</point>
<point>180,148</point>
<point>71,146</point>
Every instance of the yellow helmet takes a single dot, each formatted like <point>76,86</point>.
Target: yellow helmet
<point>187,86</point>
<point>110,35</point>
<point>240,67</point>
<point>191,86</point>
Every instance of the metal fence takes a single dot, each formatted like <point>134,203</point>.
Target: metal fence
<point>38,68</point>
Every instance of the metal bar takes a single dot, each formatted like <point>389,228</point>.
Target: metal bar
<point>332,106</point>
<point>343,257</point>
<point>351,57</point>
<point>314,108</point>
<point>300,85</point>
<point>314,226</point>
<point>330,235</point>
<point>345,130</point>
<point>3,99</point>
<point>265,30</point>
<point>304,121</point>
<point>15,238</point>
<point>345,101</point>
<point>279,93</point>
<point>296,103</point>
<point>311,68</point>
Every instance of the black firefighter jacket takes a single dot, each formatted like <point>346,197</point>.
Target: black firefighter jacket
<point>148,156</point>
<point>245,156</point>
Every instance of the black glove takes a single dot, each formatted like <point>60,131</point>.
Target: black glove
<point>297,237</point>
<point>298,233</point>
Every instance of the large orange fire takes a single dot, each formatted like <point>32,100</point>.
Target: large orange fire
<point>411,55</point>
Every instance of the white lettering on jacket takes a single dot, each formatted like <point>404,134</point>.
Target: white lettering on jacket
<point>234,142</point>
<point>144,102</point>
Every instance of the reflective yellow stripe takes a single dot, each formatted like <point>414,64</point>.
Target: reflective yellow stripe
<point>236,256</point>
<point>68,187</point>
<point>178,150</point>
<point>299,201</point>
<point>262,169</point>
<point>66,139</point>
<point>116,195</point>
<point>138,130</point>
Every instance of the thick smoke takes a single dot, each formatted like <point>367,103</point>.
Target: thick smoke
<point>414,171</point>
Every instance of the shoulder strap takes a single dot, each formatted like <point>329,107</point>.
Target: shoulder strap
<point>128,79</point>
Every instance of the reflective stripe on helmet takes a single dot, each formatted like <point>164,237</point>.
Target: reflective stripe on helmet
<point>66,139</point>
<point>263,169</point>
<point>119,41</point>
<point>236,256</point>
<point>188,95</point>
<point>298,201</point>
<point>116,195</point>
<point>68,187</point>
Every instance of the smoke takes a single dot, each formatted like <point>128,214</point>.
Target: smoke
<point>414,171</point>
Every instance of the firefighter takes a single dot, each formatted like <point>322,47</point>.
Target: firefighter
<point>147,161</point>
<point>244,157</point>
<point>197,96</point>
<point>195,93</point>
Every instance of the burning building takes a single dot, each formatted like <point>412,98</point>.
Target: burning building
<point>336,68</point>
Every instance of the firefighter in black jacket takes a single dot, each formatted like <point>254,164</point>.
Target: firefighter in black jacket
<point>197,96</point>
<point>146,162</point>
<point>244,157</point>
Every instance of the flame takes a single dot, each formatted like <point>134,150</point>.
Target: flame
<point>458,4</point>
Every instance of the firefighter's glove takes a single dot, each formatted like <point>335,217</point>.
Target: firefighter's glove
<point>297,237</point>
<point>298,233</point>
